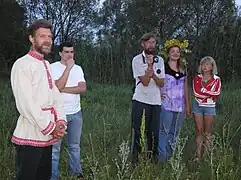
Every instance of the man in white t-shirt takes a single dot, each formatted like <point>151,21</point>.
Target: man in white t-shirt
<point>148,71</point>
<point>69,78</point>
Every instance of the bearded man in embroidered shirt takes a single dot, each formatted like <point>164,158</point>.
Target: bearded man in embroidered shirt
<point>42,120</point>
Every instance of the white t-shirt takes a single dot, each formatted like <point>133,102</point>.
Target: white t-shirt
<point>76,75</point>
<point>147,94</point>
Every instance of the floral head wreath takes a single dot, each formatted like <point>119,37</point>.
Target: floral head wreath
<point>172,43</point>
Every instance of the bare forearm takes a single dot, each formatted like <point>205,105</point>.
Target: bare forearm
<point>159,81</point>
<point>186,95</point>
<point>187,99</point>
<point>145,80</point>
<point>74,90</point>
<point>61,82</point>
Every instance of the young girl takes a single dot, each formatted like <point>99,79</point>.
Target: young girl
<point>206,89</point>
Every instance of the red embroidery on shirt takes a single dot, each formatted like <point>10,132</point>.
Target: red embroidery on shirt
<point>49,128</point>
<point>53,111</point>
<point>48,76</point>
<point>35,55</point>
<point>41,58</point>
<point>32,142</point>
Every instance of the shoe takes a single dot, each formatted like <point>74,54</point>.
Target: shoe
<point>80,177</point>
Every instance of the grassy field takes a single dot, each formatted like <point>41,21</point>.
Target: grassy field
<point>106,136</point>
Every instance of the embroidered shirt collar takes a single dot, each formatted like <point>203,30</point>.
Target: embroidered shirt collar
<point>36,55</point>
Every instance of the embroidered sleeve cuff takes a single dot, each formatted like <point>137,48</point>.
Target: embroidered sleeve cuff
<point>64,122</point>
<point>49,129</point>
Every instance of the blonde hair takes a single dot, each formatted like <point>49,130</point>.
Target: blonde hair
<point>210,60</point>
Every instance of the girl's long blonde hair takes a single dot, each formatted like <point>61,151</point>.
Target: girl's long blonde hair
<point>210,60</point>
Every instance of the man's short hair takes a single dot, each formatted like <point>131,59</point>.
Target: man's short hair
<point>148,36</point>
<point>40,23</point>
<point>65,44</point>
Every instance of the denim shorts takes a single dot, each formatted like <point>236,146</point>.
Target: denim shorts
<point>197,109</point>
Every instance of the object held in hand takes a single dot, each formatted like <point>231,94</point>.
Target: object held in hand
<point>155,59</point>
<point>151,59</point>
<point>158,71</point>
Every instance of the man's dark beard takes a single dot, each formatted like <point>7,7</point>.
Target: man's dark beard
<point>40,49</point>
<point>149,51</point>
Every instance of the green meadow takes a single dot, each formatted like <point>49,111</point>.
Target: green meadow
<point>106,138</point>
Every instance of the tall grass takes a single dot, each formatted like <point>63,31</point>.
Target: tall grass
<point>106,138</point>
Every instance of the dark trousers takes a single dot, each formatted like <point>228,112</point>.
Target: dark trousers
<point>33,163</point>
<point>152,123</point>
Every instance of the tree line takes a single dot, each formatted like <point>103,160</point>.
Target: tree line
<point>106,35</point>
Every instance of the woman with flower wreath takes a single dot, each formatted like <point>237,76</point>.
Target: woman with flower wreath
<point>175,96</point>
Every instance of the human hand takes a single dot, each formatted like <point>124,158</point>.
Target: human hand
<point>149,71</point>
<point>59,130</point>
<point>187,111</point>
<point>70,63</point>
<point>164,95</point>
<point>149,59</point>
